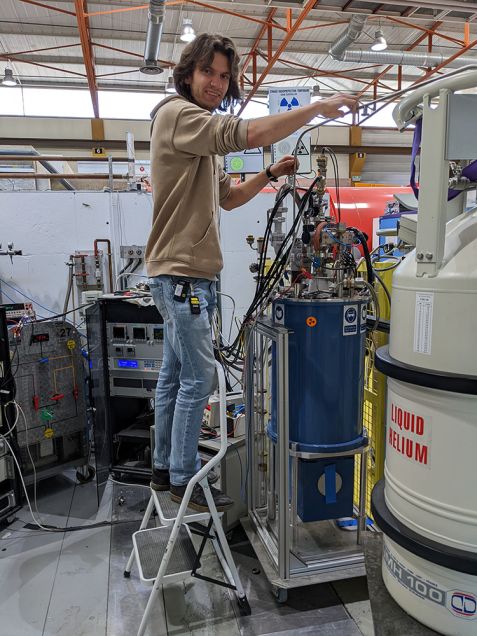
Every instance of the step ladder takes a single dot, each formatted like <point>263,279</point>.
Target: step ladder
<point>153,547</point>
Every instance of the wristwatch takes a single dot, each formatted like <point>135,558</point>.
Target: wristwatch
<point>269,174</point>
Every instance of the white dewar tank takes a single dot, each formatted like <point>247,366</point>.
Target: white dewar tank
<point>427,505</point>
<point>429,470</point>
<point>436,318</point>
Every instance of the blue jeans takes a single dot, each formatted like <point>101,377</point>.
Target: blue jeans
<point>187,376</point>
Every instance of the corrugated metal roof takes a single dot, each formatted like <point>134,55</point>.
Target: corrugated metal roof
<point>27,27</point>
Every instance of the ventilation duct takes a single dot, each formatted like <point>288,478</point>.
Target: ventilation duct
<point>403,58</point>
<point>153,37</point>
<point>349,36</point>
<point>338,51</point>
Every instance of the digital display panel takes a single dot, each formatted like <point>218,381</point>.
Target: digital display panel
<point>128,364</point>
<point>139,333</point>
<point>158,334</point>
<point>248,161</point>
<point>119,333</point>
<point>40,337</point>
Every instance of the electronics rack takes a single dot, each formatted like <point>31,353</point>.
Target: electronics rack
<point>49,376</point>
<point>125,345</point>
<point>10,495</point>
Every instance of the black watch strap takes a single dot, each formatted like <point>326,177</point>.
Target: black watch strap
<point>270,176</point>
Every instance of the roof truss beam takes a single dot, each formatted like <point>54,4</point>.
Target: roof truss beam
<point>83,27</point>
<point>290,33</point>
<point>47,6</point>
<point>412,46</point>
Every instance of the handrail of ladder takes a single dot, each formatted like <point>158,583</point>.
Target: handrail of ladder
<point>213,511</point>
<point>216,459</point>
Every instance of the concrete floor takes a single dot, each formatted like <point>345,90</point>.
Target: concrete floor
<point>72,584</point>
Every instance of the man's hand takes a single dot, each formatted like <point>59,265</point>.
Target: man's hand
<point>331,107</point>
<point>284,166</point>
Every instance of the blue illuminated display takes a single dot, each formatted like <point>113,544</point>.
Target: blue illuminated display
<point>128,364</point>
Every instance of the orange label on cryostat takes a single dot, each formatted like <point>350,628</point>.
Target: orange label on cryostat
<point>311,321</point>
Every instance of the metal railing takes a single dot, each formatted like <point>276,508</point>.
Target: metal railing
<point>109,176</point>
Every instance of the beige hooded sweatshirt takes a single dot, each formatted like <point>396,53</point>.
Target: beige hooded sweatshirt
<point>188,184</point>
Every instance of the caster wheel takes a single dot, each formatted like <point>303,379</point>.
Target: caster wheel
<point>244,606</point>
<point>280,594</point>
<point>84,479</point>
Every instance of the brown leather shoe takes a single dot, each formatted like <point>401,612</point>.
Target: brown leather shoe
<point>160,479</point>
<point>198,501</point>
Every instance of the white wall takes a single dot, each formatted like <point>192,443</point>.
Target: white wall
<point>49,226</point>
<point>236,278</point>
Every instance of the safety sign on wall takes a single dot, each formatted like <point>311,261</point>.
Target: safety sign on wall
<point>282,100</point>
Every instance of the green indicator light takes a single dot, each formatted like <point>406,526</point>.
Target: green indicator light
<point>236,163</point>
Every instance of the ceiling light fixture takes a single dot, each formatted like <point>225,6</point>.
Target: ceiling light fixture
<point>379,43</point>
<point>8,79</point>
<point>188,33</point>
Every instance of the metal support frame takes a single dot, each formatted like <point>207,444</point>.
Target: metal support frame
<point>264,28</point>
<point>83,27</point>
<point>434,184</point>
<point>283,44</point>
<point>47,6</point>
<point>434,209</point>
<point>431,32</point>
<point>450,59</point>
<point>288,26</point>
<point>412,46</point>
<point>273,476</point>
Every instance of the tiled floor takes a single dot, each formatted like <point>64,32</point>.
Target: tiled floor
<point>72,584</point>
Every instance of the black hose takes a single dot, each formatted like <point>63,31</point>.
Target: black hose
<point>70,287</point>
<point>266,283</point>
<point>367,255</point>
<point>128,264</point>
<point>384,286</point>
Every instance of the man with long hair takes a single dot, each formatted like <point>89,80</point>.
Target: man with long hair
<point>183,253</point>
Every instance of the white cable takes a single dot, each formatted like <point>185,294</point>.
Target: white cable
<point>127,274</point>
<point>217,336</point>
<point>31,460</point>
<point>233,311</point>
<point>377,309</point>
<point>24,486</point>
<point>123,483</point>
<point>37,522</point>
<point>10,430</point>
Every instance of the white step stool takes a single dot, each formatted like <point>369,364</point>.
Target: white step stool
<point>153,547</point>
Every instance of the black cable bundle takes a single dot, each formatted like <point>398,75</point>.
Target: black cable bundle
<point>347,260</point>
<point>267,282</point>
<point>334,161</point>
<point>367,256</point>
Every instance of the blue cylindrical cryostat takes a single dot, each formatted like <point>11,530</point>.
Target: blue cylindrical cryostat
<point>326,372</point>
